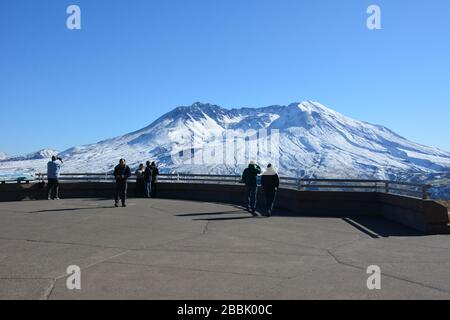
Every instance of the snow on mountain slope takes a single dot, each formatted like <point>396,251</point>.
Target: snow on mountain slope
<point>41,154</point>
<point>33,162</point>
<point>314,141</point>
<point>3,156</point>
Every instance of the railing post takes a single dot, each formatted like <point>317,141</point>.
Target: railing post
<point>386,187</point>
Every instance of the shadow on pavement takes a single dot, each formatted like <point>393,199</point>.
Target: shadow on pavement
<point>72,209</point>
<point>225,219</point>
<point>375,227</point>
<point>208,213</point>
<point>378,227</point>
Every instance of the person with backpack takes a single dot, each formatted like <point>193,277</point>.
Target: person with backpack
<point>249,178</point>
<point>148,174</point>
<point>155,174</point>
<point>270,182</point>
<point>121,173</point>
<point>53,173</point>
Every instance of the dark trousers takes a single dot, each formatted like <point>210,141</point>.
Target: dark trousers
<point>251,197</point>
<point>153,189</point>
<point>121,191</point>
<point>270,198</point>
<point>140,188</point>
<point>53,188</point>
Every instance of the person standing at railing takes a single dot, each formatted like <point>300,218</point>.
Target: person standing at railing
<point>270,182</point>
<point>148,180</point>
<point>155,174</point>
<point>140,185</point>
<point>249,177</point>
<point>121,172</point>
<point>53,173</point>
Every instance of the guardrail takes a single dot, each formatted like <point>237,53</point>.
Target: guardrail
<point>28,179</point>
<point>349,185</point>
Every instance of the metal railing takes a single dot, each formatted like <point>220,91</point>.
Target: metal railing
<point>348,185</point>
<point>17,179</point>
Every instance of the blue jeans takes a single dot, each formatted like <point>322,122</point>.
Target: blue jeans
<point>251,195</point>
<point>148,189</point>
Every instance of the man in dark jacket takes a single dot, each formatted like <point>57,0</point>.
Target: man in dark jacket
<point>270,183</point>
<point>121,172</point>
<point>249,177</point>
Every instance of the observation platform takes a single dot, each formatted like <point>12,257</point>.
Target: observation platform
<point>182,246</point>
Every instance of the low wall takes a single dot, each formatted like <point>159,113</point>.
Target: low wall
<point>423,215</point>
<point>323,203</point>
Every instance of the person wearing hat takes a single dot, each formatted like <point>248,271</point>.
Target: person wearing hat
<point>270,182</point>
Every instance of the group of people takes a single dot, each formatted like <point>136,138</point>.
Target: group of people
<point>270,182</point>
<point>147,178</point>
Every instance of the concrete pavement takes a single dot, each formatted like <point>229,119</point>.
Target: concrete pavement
<point>167,249</point>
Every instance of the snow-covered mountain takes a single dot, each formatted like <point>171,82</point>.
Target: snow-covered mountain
<point>314,141</point>
<point>41,154</point>
<point>30,163</point>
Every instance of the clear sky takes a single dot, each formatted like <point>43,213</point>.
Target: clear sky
<point>134,60</point>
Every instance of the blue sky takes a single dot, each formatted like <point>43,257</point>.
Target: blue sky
<point>133,61</point>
